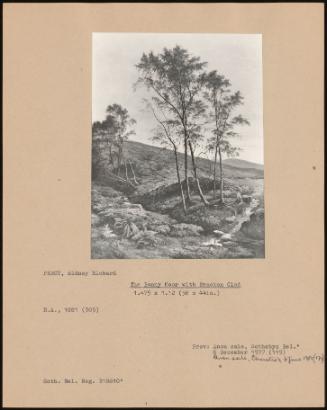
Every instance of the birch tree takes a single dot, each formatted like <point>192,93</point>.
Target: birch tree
<point>223,103</point>
<point>121,125</point>
<point>175,79</point>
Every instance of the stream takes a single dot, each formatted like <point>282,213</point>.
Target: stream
<point>230,239</point>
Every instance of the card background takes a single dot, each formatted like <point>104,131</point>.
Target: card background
<point>47,186</point>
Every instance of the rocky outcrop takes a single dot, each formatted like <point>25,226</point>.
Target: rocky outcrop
<point>255,227</point>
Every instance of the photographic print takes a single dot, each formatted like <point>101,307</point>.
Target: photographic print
<point>177,146</point>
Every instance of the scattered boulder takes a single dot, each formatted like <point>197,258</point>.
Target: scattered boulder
<point>137,206</point>
<point>226,237</point>
<point>255,227</point>
<point>219,233</point>
<point>183,229</point>
<point>212,242</point>
<point>161,229</point>
<point>129,205</point>
<point>247,198</point>
<point>230,219</point>
<point>230,243</point>
<point>146,239</point>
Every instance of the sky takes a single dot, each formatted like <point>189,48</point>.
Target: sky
<point>237,56</point>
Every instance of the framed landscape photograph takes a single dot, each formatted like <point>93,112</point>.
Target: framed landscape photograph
<point>177,146</point>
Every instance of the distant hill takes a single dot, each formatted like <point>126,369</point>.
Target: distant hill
<point>155,166</point>
<point>241,163</point>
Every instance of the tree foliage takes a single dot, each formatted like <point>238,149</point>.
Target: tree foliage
<point>175,79</point>
<point>112,133</point>
<point>223,103</point>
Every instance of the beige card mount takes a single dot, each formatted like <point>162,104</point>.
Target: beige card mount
<point>146,264</point>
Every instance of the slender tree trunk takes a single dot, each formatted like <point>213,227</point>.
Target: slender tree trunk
<point>221,177</point>
<point>196,177</point>
<point>126,170</point>
<point>215,173</point>
<point>179,180</point>
<point>188,194</point>
<point>120,151</point>
<point>111,160</point>
<point>114,158</point>
<point>133,173</point>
